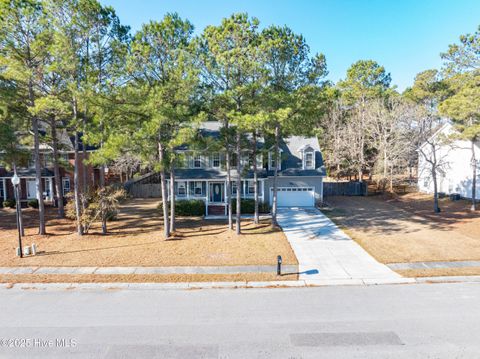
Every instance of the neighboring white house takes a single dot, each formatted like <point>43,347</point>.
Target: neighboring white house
<point>455,170</point>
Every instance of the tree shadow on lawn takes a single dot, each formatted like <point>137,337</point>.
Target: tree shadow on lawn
<point>56,252</point>
<point>382,216</point>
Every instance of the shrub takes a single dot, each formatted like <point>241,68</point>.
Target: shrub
<point>33,203</point>
<point>247,206</point>
<point>9,203</point>
<point>187,207</point>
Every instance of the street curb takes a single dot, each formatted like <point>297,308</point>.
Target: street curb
<point>199,285</point>
<point>235,285</point>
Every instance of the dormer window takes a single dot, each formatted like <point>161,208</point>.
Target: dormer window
<point>309,162</point>
<point>271,160</point>
<point>197,161</point>
<point>216,160</point>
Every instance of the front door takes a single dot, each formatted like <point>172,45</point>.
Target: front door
<point>216,192</point>
<point>31,189</point>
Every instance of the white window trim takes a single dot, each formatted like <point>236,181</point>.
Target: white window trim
<point>181,184</point>
<point>198,185</point>
<point>305,167</point>
<point>197,158</point>
<point>65,180</point>
<point>216,156</point>
<point>270,159</point>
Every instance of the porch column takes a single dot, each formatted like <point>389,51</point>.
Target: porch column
<point>263,190</point>
<point>207,200</point>
<point>225,197</point>
<point>188,189</point>
<point>4,189</point>
<point>50,185</point>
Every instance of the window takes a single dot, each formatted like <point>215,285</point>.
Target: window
<point>216,160</point>
<point>309,160</point>
<point>234,187</point>
<point>65,185</point>
<point>181,189</point>
<point>197,161</point>
<point>47,159</point>
<point>271,161</point>
<point>251,187</point>
<point>65,157</point>
<point>198,189</point>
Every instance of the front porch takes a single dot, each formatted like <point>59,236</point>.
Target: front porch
<point>213,192</point>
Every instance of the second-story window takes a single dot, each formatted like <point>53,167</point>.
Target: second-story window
<point>272,161</point>
<point>216,160</point>
<point>309,164</point>
<point>197,161</point>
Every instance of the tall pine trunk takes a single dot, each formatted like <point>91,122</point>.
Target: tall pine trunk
<point>228,188</point>
<point>163,184</point>
<point>275,176</point>
<point>255,179</point>
<point>474,178</point>
<point>56,168</point>
<point>76,184</point>
<point>172,197</point>
<point>84,156</point>
<point>38,169</point>
<point>239,184</point>
<point>76,187</point>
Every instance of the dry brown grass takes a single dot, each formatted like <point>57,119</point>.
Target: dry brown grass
<point>136,239</point>
<point>440,272</point>
<point>141,278</point>
<point>405,229</point>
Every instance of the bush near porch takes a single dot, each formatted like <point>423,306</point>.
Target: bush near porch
<point>247,206</point>
<point>186,207</point>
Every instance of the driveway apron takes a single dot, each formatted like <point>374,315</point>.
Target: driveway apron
<point>326,254</point>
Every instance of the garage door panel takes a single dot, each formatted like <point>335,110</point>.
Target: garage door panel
<point>295,196</point>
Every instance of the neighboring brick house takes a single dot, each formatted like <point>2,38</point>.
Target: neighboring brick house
<point>203,176</point>
<point>27,173</point>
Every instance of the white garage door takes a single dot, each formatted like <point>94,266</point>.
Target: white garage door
<point>295,196</point>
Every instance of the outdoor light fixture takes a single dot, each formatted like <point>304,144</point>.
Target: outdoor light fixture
<point>16,182</point>
<point>279,265</point>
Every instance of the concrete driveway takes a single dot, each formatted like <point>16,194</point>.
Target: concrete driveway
<point>327,255</point>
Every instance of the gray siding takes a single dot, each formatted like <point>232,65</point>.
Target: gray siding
<point>316,182</point>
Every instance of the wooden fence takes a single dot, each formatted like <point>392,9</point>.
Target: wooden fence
<point>145,190</point>
<point>344,189</point>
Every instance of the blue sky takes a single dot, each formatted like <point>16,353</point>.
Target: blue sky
<point>405,36</point>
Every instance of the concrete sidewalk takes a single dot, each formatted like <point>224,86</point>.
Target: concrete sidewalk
<point>150,270</point>
<point>327,254</point>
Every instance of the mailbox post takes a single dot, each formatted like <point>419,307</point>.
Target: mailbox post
<point>279,265</point>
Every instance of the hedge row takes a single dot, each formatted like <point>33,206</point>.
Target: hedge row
<point>247,206</point>
<point>10,203</point>
<point>187,207</point>
<point>196,207</point>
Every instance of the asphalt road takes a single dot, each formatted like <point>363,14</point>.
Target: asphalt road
<point>389,321</point>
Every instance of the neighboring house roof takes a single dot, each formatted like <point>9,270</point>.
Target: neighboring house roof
<point>446,126</point>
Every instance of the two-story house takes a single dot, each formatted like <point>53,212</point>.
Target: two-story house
<point>203,174</point>
<point>26,172</point>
